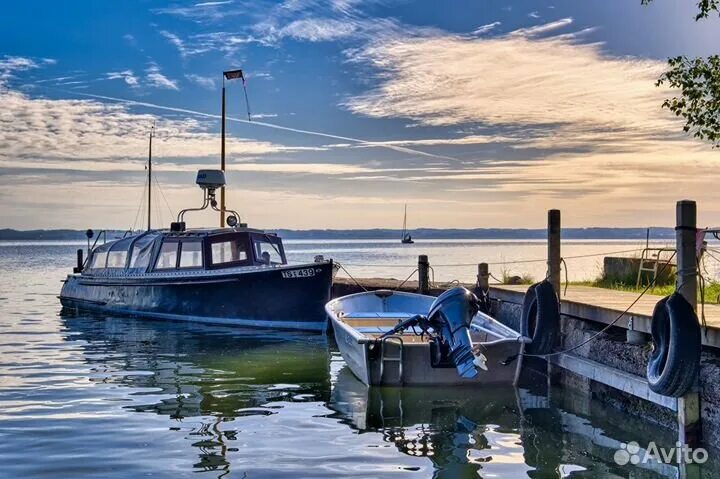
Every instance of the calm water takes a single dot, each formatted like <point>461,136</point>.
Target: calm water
<point>93,396</point>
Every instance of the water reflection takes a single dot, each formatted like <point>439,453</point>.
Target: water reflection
<point>267,404</point>
<point>498,432</point>
<point>212,374</point>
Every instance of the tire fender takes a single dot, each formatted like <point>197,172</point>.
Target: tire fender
<point>674,365</point>
<point>540,318</point>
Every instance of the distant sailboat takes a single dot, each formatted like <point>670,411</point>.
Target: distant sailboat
<point>406,238</point>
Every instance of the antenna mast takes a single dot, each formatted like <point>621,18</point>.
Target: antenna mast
<point>149,168</point>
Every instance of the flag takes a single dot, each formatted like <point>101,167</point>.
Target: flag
<point>234,74</point>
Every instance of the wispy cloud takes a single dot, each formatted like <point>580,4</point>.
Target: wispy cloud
<point>176,41</point>
<point>213,4</point>
<point>126,75</point>
<point>205,82</point>
<point>10,65</point>
<point>155,78</point>
<point>482,29</point>
<point>310,29</point>
<point>453,80</point>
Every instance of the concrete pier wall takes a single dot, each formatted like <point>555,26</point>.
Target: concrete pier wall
<point>612,349</point>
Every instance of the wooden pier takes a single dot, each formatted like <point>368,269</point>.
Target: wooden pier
<point>601,305</point>
<point>585,305</point>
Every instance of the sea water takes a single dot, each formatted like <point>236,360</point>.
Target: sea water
<point>96,396</point>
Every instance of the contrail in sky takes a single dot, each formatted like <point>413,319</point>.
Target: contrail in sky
<point>401,149</point>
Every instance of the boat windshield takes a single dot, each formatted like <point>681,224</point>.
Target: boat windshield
<point>142,251</point>
<point>268,250</point>
<point>117,256</point>
<point>100,255</point>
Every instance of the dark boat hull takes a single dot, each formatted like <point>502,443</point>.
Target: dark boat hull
<point>267,297</point>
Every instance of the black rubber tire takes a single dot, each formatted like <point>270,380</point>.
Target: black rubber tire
<point>540,318</point>
<point>674,364</point>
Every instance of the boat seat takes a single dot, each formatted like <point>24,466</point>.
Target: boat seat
<point>372,315</point>
<point>373,329</point>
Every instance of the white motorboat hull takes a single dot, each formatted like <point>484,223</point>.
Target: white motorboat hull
<point>360,319</point>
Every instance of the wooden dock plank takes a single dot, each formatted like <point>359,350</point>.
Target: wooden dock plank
<point>605,305</point>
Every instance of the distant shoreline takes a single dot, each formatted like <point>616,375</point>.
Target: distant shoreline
<point>660,233</point>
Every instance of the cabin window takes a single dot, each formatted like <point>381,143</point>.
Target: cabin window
<point>267,252</point>
<point>141,253</point>
<point>98,259</point>
<point>191,254</point>
<point>228,252</point>
<point>167,259</point>
<point>116,259</point>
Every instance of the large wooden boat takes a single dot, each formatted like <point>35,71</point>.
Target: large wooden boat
<point>235,275</point>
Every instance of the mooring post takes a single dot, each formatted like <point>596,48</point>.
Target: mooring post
<point>483,277</point>
<point>80,262</point>
<point>423,274</point>
<point>689,430</point>
<point>553,256</point>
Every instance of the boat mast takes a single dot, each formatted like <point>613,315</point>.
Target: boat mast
<point>222,156</point>
<point>404,222</point>
<point>149,168</point>
<point>227,75</point>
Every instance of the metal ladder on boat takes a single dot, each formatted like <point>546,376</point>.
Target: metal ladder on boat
<point>391,359</point>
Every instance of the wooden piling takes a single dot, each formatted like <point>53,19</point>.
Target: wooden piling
<point>553,255</point>
<point>79,267</point>
<point>689,430</point>
<point>483,277</point>
<point>423,274</point>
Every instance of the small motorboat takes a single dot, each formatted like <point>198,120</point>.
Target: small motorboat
<point>234,275</point>
<point>396,338</point>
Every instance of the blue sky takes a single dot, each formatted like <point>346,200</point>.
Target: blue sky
<point>475,113</point>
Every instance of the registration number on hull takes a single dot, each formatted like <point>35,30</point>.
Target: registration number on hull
<point>299,273</point>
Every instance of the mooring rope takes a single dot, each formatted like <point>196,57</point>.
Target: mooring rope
<point>497,263</point>
<point>406,279</point>
<point>351,276</point>
<point>609,325</point>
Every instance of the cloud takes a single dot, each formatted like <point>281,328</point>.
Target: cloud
<point>65,134</point>
<point>213,4</point>
<point>10,65</point>
<point>155,78</point>
<point>486,28</point>
<point>318,29</point>
<point>175,41</point>
<point>205,82</point>
<point>126,75</point>
<point>453,80</point>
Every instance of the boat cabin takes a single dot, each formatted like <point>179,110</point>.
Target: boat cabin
<point>163,251</point>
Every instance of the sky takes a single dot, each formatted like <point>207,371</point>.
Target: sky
<point>474,113</point>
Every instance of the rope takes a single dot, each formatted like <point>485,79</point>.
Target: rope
<point>494,277</point>
<point>498,263</point>
<point>351,276</point>
<point>172,215</point>
<point>140,206</point>
<point>567,281</point>
<point>603,330</point>
<point>406,279</point>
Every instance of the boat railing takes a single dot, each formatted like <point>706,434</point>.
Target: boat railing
<point>102,233</point>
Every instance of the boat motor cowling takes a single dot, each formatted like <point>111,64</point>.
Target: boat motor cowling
<point>450,316</point>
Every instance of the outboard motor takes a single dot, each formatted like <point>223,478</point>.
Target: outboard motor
<point>450,316</point>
